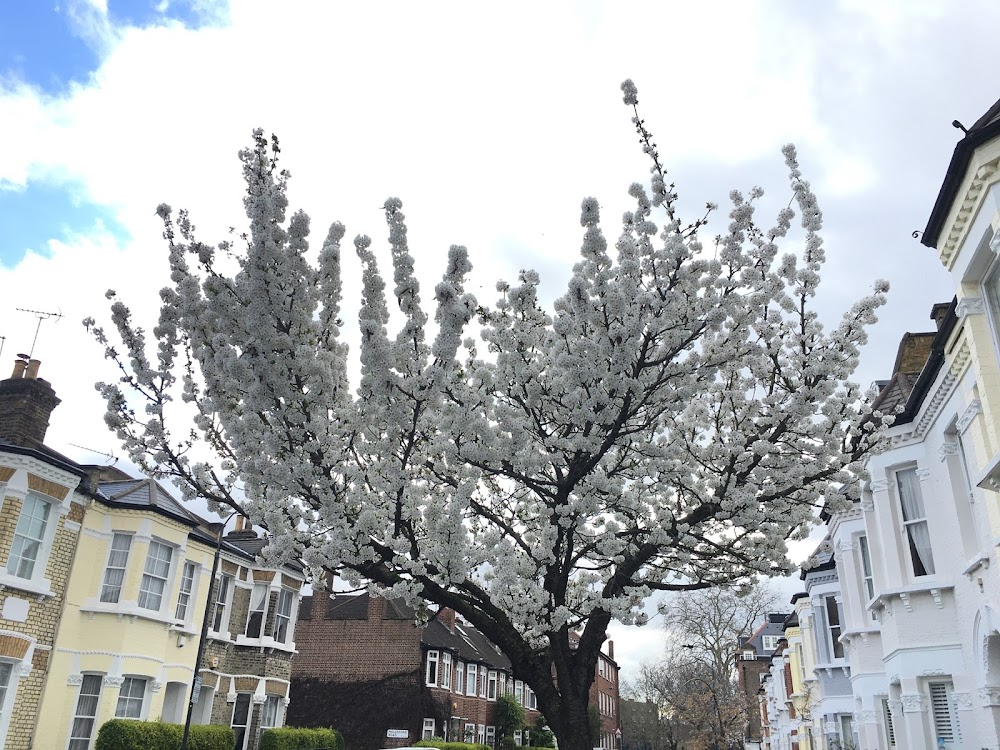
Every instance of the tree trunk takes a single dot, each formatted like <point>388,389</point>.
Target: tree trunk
<point>570,722</point>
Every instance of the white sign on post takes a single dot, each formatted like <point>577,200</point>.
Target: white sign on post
<point>397,734</point>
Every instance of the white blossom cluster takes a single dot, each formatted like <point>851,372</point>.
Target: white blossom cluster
<point>668,425</point>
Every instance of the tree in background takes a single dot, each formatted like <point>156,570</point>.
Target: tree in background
<point>675,417</point>
<point>694,685</point>
<point>510,719</point>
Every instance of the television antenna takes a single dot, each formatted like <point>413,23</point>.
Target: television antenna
<point>41,315</point>
<point>113,457</point>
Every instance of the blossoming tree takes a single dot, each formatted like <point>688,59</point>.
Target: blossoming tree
<point>667,426</point>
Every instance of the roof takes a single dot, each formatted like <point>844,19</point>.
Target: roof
<point>774,624</point>
<point>986,128</point>
<point>145,494</point>
<point>465,641</point>
<point>44,453</point>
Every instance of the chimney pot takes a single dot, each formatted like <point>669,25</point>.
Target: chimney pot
<point>32,369</point>
<point>611,649</point>
<point>19,365</point>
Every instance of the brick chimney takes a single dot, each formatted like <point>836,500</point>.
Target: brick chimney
<point>611,649</point>
<point>26,403</point>
<point>447,618</point>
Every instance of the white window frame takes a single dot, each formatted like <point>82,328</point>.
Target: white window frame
<point>491,685</point>
<point>483,672</point>
<point>472,678</point>
<point>153,578</point>
<point>530,698</point>
<point>944,718</point>
<point>232,719</point>
<point>264,592</point>
<point>270,710</point>
<point>460,677</point>
<point>491,735</point>
<point>470,733</point>
<point>8,694</point>
<point>87,741</point>
<point>431,668</point>
<point>833,629</point>
<point>427,731</point>
<point>44,541</point>
<point>129,682</point>
<point>519,691</point>
<point>111,593</point>
<point>517,737</point>
<point>914,527</point>
<point>219,623</point>
<point>867,573</point>
<point>284,635</point>
<point>446,670</point>
<point>481,734</point>
<point>186,592</point>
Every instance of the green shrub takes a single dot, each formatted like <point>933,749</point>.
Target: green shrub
<point>122,734</point>
<point>442,745</point>
<point>294,738</point>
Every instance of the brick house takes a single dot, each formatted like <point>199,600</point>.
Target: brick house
<point>753,662</point>
<point>247,665</point>
<point>41,507</point>
<point>104,584</point>
<point>366,668</point>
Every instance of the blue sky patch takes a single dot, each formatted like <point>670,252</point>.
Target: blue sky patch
<point>41,43</point>
<point>43,212</point>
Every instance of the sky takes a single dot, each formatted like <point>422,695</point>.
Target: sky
<point>490,121</point>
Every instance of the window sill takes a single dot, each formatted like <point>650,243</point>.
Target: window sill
<point>41,588</point>
<point>225,635</point>
<point>981,560</point>
<point>128,609</point>
<point>905,593</point>
<point>264,642</point>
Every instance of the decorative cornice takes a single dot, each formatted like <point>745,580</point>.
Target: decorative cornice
<point>935,401</point>
<point>989,696</point>
<point>971,412</point>
<point>868,505</point>
<point>963,701</point>
<point>969,306</point>
<point>74,679</point>
<point>969,204</point>
<point>948,449</point>
<point>113,681</point>
<point>914,703</point>
<point>879,485</point>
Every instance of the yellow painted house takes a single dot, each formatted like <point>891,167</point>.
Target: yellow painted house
<point>134,603</point>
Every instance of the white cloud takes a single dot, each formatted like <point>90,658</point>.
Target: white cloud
<point>491,122</point>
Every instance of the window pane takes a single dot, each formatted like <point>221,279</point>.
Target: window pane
<point>154,578</point>
<point>130,698</point>
<point>28,536</point>
<point>114,574</point>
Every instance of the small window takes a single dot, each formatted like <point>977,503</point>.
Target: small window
<point>890,732</point>
<point>155,575</point>
<point>470,688</point>
<point>482,681</point>
<point>184,595</point>
<point>29,537</point>
<point>470,733</point>
<point>428,730</point>
<point>491,686</point>
<point>460,677</point>
<point>221,603</point>
<point>446,670</point>
<point>915,522</point>
<point>114,573</point>
<point>270,712</point>
<point>130,698</point>
<point>530,696</point>
<point>258,604</point>
<point>241,719</point>
<point>491,735</point>
<point>942,712</point>
<point>283,615</point>
<point>432,668</point>
<point>866,567</point>
<point>481,734</point>
<point>82,729</point>
<point>519,691</point>
<point>833,623</point>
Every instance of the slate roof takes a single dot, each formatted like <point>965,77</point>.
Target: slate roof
<point>145,493</point>
<point>773,625</point>
<point>466,641</point>
<point>984,129</point>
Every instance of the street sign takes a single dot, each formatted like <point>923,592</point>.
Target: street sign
<point>397,734</point>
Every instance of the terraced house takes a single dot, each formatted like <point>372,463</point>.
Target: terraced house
<point>383,681</point>
<point>106,580</point>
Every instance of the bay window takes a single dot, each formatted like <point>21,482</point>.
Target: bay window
<point>915,522</point>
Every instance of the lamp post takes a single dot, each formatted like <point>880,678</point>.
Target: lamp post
<point>196,680</point>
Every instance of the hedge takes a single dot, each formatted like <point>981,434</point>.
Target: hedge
<point>292,738</point>
<point>123,734</point>
<point>442,745</point>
